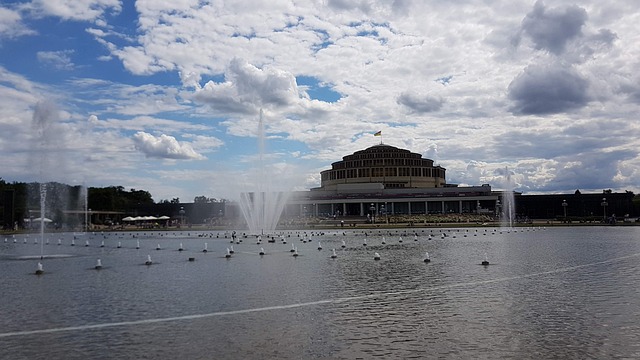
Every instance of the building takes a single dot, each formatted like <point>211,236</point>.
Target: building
<point>386,180</point>
<point>577,206</point>
<point>390,166</point>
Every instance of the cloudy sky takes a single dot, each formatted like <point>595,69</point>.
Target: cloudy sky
<point>165,96</point>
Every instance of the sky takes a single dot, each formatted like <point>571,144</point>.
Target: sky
<point>166,96</point>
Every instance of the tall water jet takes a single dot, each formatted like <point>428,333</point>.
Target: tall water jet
<point>507,215</point>
<point>263,207</point>
<point>49,157</point>
<point>84,194</point>
<point>45,116</point>
<point>43,198</point>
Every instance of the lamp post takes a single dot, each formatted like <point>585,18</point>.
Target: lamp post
<point>604,209</point>
<point>89,221</point>
<point>373,212</point>
<point>564,208</point>
<point>383,211</point>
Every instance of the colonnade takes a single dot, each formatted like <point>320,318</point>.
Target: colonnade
<point>379,207</point>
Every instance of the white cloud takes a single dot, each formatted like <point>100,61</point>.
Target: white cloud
<point>59,60</point>
<point>147,99</point>
<point>247,88</point>
<point>526,85</point>
<point>11,24</point>
<point>418,103</point>
<point>164,147</point>
<point>204,144</point>
<point>87,10</point>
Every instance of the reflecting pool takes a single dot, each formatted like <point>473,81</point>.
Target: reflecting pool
<point>562,292</point>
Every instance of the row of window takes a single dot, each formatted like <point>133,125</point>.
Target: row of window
<point>381,162</point>
<point>385,154</point>
<point>383,172</point>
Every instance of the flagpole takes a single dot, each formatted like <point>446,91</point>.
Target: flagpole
<point>379,133</point>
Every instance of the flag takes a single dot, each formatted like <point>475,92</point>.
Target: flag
<point>379,133</point>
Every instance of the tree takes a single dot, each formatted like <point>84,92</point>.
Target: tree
<point>200,200</point>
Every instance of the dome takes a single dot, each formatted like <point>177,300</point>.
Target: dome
<point>384,164</point>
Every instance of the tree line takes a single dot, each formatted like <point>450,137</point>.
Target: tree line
<point>20,200</point>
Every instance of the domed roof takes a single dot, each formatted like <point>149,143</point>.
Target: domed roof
<point>382,149</point>
<point>384,164</point>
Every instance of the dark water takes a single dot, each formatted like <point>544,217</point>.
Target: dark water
<point>565,293</point>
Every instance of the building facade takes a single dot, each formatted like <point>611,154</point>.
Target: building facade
<point>390,166</point>
<point>386,180</point>
<point>578,206</point>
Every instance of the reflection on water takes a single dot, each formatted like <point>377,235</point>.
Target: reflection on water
<point>548,293</point>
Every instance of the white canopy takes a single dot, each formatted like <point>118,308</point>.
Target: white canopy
<point>145,218</point>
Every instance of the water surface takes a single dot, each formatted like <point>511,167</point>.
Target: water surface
<point>569,293</point>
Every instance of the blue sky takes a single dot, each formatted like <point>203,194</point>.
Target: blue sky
<point>166,96</point>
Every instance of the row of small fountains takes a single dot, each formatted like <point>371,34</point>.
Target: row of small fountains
<point>300,234</point>
<point>294,250</point>
<point>304,239</point>
<point>230,251</point>
<point>148,262</point>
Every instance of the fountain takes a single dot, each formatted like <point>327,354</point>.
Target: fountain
<point>39,270</point>
<point>84,194</point>
<point>43,197</point>
<point>48,146</point>
<point>262,207</point>
<point>507,215</point>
